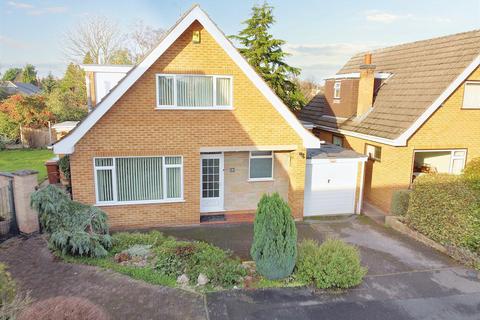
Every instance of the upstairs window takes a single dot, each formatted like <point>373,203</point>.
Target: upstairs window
<point>336,89</point>
<point>337,140</point>
<point>373,152</point>
<point>194,92</point>
<point>471,96</point>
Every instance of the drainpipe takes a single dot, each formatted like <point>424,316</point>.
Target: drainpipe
<point>362,182</point>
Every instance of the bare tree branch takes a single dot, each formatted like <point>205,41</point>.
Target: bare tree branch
<point>143,38</point>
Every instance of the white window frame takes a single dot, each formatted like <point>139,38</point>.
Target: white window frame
<point>373,157</point>
<point>176,107</point>
<point>337,137</point>
<point>114,181</point>
<point>452,156</point>
<point>250,157</point>
<point>337,87</point>
<point>464,93</point>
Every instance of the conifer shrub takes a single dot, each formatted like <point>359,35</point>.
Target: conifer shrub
<point>274,247</point>
<point>73,228</point>
<point>333,264</point>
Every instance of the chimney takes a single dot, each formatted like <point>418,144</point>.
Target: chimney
<point>365,85</point>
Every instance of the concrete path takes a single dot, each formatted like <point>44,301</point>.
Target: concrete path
<point>36,270</point>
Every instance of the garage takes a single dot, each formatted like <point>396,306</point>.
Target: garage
<point>333,181</point>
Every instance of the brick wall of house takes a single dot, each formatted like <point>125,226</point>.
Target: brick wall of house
<point>133,127</point>
<point>450,127</point>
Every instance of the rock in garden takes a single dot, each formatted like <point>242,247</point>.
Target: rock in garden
<point>202,279</point>
<point>183,280</point>
<point>248,281</point>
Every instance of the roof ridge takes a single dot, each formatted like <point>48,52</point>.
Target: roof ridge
<point>417,42</point>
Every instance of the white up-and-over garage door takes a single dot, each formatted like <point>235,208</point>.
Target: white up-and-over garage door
<point>331,184</point>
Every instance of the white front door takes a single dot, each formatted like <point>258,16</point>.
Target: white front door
<point>211,186</point>
<point>330,188</point>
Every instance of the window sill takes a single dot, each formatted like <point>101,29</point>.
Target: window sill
<point>470,108</point>
<point>126,203</point>
<point>260,179</point>
<point>192,108</point>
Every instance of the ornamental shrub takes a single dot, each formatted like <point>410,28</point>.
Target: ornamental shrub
<point>174,258</point>
<point>7,286</point>
<point>64,165</point>
<point>73,228</point>
<point>446,209</point>
<point>274,247</point>
<point>334,264</point>
<point>472,173</point>
<point>400,199</point>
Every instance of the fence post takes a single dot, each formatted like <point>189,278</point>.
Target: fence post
<point>24,184</point>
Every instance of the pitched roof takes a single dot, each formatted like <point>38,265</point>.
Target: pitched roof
<point>67,144</point>
<point>424,74</point>
<point>27,88</point>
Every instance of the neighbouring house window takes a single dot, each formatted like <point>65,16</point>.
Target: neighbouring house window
<point>336,89</point>
<point>471,96</point>
<point>194,91</point>
<point>261,165</point>
<point>373,152</point>
<point>338,141</point>
<point>138,179</point>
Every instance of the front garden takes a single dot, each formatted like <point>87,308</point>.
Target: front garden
<point>79,234</point>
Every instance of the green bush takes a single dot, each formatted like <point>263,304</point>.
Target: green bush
<point>274,247</point>
<point>123,240</point>
<point>446,209</point>
<point>193,258</point>
<point>400,200</point>
<point>64,165</point>
<point>472,173</point>
<point>73,227</point>
<point>334,264</point>
<point>8,289</point>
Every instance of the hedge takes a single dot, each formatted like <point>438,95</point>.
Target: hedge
<point>400,200</point>
<point>446,209</point>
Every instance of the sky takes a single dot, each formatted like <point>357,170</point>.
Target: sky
<point>320,35</point>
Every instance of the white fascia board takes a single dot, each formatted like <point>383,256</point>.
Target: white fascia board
<point>356,75</point>
<point>106,68</point>
<point>390,142</point>
<point>249,148</point>
<point>438,102</point>
<point>66,145</point>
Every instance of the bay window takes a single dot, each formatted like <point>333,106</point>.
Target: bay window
<point>138,179</point>
<point>194,91</point>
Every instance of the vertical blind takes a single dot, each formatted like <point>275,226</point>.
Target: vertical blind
<point>138,178</point>
<point>194,91</point>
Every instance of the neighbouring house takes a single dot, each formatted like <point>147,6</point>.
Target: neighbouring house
<point>193,132</point>
<point>412,108</point>
<point>13,87</point>
<point>63,128</point>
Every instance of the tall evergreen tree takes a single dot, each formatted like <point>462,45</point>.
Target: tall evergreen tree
<point>29,74</point>
<point>265,54</point>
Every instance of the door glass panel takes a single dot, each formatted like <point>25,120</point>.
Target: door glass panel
<point>210,178</point>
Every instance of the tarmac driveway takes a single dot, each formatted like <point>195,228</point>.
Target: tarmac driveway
<point>406,280</point>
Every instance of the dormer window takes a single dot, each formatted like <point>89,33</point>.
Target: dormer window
<point>336,89</point>
<point>471,96</point>
<point>179,91</point>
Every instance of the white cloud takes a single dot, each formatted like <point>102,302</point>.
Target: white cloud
<point>388,17</point>
<point>36,11</point>
<point>20,5</point>
<point>12,43</point>
<point>322,60</point>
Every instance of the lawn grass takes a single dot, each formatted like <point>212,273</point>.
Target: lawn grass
<point>20,159</point>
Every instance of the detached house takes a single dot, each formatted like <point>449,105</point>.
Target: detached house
<point>189,132</point>
<point>412,108</point>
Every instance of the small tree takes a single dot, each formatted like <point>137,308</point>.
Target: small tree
<point>29,74</point>
<point>274,247</point>
<point>12,74</point>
